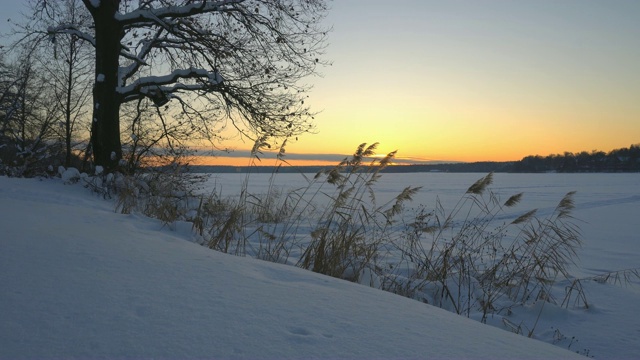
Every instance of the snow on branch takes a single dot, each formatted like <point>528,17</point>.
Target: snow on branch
<point>146,47</point>
<point>141,16</point>
<point>71,30</point>
<point>141,85</point>
<point>94,3</point>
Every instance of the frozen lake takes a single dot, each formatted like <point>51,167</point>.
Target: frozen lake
<point>607,209</point>
<point>607,205</point>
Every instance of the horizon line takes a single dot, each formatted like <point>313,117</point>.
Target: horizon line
<point>235,157</point>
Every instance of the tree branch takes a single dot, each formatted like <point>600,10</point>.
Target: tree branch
<point>71,30</point>
<point>144,16</point>
<point>141,85</point>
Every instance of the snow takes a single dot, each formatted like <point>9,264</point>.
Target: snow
<point>156,81</point>
<point>70,175</point>
<point>79,280</point>
<point>176,11</point>
<point>607,213</point>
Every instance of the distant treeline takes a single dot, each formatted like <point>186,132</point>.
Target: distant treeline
<point>619,160</point>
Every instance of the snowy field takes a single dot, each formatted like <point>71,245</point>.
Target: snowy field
<point>607,205</point>
<point>607,210</point>
<point>79,280</point>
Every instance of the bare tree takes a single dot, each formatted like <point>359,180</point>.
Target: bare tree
<point>237,60</point>
<point>68,65</point>
<point>7,93</point>
<point>64,73</point>
<point>26,116</point>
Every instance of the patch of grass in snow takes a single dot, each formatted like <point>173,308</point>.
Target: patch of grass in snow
<point>472,259</point>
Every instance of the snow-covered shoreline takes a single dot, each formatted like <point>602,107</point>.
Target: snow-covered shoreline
<point>79,280</point>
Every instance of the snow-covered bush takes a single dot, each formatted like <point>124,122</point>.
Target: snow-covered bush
<point>161,193</point>
<point>70,175</point>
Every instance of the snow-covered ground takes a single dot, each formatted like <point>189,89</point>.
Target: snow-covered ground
<point>79,280</point>
<point>607,208</point>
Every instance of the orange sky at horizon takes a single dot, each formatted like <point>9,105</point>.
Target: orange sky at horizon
<point>477,80</point>
<point>334,159</point>
<point>247,161</point>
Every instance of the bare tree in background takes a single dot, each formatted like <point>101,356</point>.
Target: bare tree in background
<point>26,116</point>
<point>68,66</point>
<point>216,61</point>
<point>63,67</point>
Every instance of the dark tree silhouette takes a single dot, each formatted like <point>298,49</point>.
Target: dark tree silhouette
<point>242,60</point>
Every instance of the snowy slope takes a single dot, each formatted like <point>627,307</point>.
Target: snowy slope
<point>78,280</point>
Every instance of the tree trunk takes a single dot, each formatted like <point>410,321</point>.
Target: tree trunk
<point>105,126</point>
<point>67,110</point>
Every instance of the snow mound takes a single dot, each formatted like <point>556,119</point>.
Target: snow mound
<point>69,175</point>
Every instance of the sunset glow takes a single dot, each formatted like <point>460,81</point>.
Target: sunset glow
<point>472,80</point>
<point>478,80</point>
<point>248,161</point>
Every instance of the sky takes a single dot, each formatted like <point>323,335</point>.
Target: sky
<point>474,80</point>
<point>480,80</point>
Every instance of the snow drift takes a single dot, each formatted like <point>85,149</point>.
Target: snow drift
<point>79,280</point>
